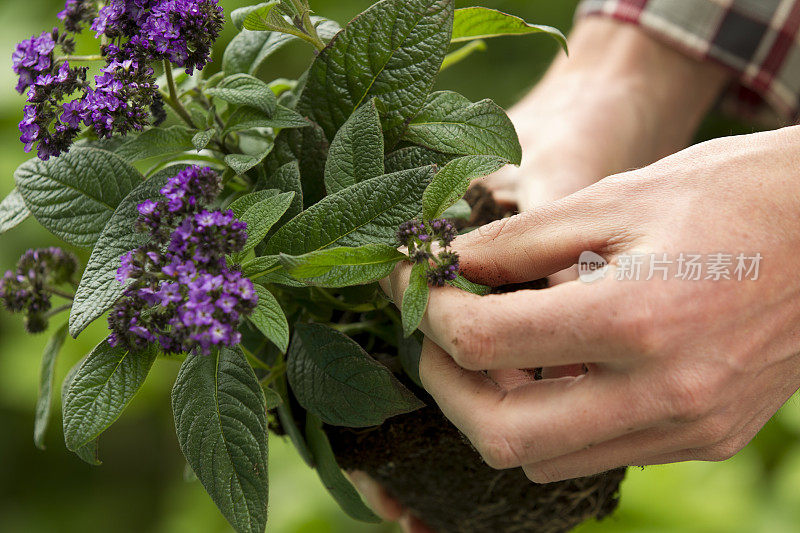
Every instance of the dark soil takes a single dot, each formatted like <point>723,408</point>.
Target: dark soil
<point>427,465</point>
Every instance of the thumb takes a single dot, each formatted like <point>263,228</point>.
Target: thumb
<point>540,242</point>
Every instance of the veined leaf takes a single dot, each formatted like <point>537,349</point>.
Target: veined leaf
<point>451,124</point>
<point>156,142</point>
<point>331,475</point>
<point>415,299</point>
<point>221,422</point>
<point>270,319</point>
<point>344,266</point>
<point>74,195</point>
<point>202,138</point>
<point>243,89</point>
<point>461,210</point>
<point>415,156</point>
<point>259,265</point>
<point>238,16</point>
<point>482,23</point>
<point>249,50</point>
<point>368,212</point>
<point>334,378</point>
<point>243,203</point>
<point>262,216</point>
<point>241,163</point>
<point>13,211</point>
<point>466,285</point>
<point>98,288</point>
<point>102,388</point>
<point>356,153</point>
<point>392,51</point>
<point>309,147</point>
<point>286,179</point>
<point>89,453</point>
<point>451,183</point>
<point>46,373</point>
<point>247,118</point>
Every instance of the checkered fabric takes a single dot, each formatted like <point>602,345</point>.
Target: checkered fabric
<point>758,39</point>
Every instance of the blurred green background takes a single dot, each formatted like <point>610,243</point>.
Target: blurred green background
<point>140,486</point>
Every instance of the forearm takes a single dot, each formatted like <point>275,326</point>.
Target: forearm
<point>622,99</point>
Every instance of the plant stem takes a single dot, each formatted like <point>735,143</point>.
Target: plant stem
<point>356,327</point>
<point>57,310</point>
<point>254,361</point>
<point>173,100</point>
<point>59,292</point>
<point>80,58</point>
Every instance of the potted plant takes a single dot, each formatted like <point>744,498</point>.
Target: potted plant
<point>240,227</point>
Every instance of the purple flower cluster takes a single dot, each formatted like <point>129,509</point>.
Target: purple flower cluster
<point>420,237</point>
<point>29,288</point>
<point>125,96</point>
<point>76,13</point>
<point>179,31</point>
<point>183,296</point>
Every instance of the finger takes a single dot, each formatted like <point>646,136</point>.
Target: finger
<point>539,421</point>
<point>376,496</point>
<point>571,323</point>
<point>634,449</point>
<point>511,379</point>
<point>541,242</point>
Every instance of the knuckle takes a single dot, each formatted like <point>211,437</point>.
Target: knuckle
<point>475,350</point>
<point>722,451</point>
<point>689,398</point>
<point>712,430</point>
<point>497,450</point>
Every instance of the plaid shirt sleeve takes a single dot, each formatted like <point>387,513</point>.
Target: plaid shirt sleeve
<point>758,39</point>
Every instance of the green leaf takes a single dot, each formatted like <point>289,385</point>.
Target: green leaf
<point>46,373</point>
<point>259,265</point>
<point>102,388</point>
<point>343,266</point>
<point>413,157</point>
<point>262,216</point>
<point>287,179</point>
<point>238,16</point>
<point>265,18</point>
<point>356,153</point>
<point>247,118</point>
<point>461,210</point>
<point>331,475</point>
<point>89,453</point>
<point>243,203</point>
<point>368,212</point>
<point>98,288</point>
<point>243,89</point>
<point>241,163</point>
<point>157,142</point>
<point>415,299</point>
<point>482,23</point>
<point>409,351</point>
<point>249,50</point>
<point>221,422</point>
<point>289,424</point>
<point>392,51</point>
<point>270,319</point>
<point>457,56</point>
<point>309,147</point>
<point>334,378</point>
<point>466,285</point>
<point>451,124</point>
<point>451,183</point>
<point>272,398</point>
<point>202,138</point>
<point>74,195</point>
<point>13,211</point>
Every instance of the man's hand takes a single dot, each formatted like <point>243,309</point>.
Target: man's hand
<point>677,370</point>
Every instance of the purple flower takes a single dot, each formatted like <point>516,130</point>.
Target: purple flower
<point>32,57</point>
<point>27,289</point>
<point>76,13</point>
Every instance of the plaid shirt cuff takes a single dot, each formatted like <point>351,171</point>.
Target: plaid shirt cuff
<point>758,39</point>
